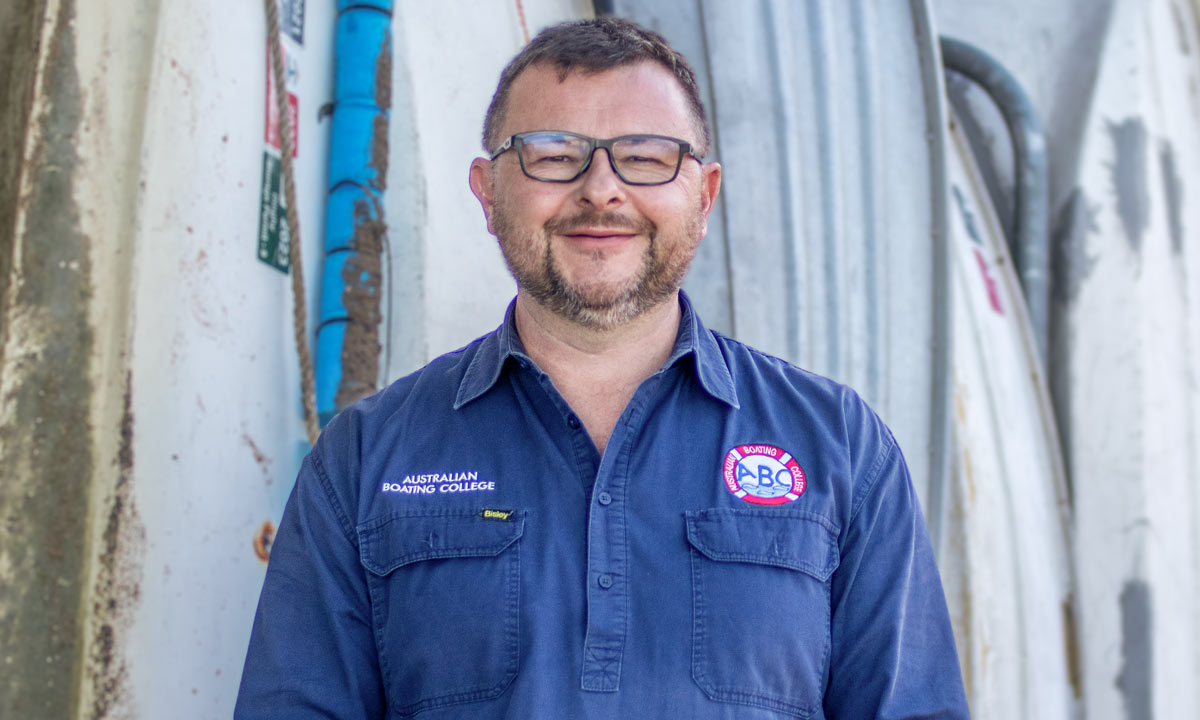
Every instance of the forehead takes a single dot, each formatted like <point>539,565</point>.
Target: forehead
<point>640,98</point>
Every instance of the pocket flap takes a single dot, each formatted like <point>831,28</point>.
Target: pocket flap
<point>783,538</point>
<point>393,541</point>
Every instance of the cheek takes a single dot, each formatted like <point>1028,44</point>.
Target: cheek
<point>524,210</point>
<point>702,210</point>
<point>682,211</point>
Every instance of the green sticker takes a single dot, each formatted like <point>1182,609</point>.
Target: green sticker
<point>274,236</point>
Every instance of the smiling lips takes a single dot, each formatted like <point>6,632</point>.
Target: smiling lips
<point>601,233</point>
<point>600,238</point>
<point>597,231</point>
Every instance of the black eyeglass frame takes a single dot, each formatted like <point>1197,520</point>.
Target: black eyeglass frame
<point>516,141</point>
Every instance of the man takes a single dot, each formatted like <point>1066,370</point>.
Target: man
<point>602,509</point>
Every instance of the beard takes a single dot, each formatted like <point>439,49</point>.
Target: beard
<point>602,306</point>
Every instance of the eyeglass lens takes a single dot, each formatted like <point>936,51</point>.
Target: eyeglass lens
<point>637,159</point>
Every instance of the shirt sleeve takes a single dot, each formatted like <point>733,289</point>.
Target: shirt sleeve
<point>312,648</point>
<point>893,649</point>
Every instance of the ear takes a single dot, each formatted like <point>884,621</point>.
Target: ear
<point>710,187</point>
<point>480,179</point>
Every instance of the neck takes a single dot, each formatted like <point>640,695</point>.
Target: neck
<point>597,370</point>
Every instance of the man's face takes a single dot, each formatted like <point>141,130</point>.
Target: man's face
<point>597,251</point>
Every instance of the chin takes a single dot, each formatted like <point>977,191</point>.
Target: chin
<point>607,317</point>
<point>613,309</point>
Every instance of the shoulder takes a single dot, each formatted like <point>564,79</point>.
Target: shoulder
<point>430,389</point>
<point>772,381</point>
<point>846,432</point>
<point>355,444</point>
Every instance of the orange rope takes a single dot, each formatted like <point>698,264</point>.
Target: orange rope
<point>308,394</point>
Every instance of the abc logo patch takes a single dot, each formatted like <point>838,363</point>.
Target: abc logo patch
<point>763,475</point>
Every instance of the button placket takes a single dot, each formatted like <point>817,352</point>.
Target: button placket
<point>607,593</point>
<point>608,556</point>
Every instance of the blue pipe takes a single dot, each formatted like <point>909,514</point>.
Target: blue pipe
<point>350,281</point>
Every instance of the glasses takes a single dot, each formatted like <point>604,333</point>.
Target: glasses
<point>561,157</point>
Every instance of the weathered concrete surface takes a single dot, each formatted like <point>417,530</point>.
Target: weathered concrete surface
<point>45,386</point>
<point>70,534</point>
<point>20,22</point>
<point>114,58</point>
<point>114,587</point>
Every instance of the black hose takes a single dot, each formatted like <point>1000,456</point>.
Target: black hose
<point>1030,244</point>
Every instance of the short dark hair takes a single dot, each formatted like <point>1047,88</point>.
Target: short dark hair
<point>593,46</point>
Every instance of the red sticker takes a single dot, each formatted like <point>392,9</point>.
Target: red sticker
<point>272,130</point>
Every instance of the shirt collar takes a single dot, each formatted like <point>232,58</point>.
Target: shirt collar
<point>693,339</point>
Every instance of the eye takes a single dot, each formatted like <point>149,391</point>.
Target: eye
<point>645,152</point>
<point>553,153</point>
<point>644,160</point>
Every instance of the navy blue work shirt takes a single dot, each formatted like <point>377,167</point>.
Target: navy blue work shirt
<point>748,546</point>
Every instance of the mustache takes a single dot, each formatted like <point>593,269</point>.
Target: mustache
<point>590,219</point>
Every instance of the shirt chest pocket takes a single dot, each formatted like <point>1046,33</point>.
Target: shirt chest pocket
<point>445,597</point>
<point>760,585</point>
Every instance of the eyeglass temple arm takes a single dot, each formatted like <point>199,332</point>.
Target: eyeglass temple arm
<point>498,151</point>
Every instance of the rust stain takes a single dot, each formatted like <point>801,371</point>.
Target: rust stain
<point>264,462</point>
<point>968,469</point>
<point>206,302</point>
<point>363,276</point>
<point>383,75</point>
<point>379,151</point>
<point>1071,643</point>
<point>379,129</point>
<point>363,272</point>
<point>184,75</point>
<point>262,542</point>
<point>117,591</point>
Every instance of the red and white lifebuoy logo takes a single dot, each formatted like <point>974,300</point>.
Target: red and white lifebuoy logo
<point>763,475</point>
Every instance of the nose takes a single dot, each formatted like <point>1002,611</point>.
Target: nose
<point>601,187</point>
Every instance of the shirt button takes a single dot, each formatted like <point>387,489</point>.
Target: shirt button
<point>605,581</point>
<point>573,422</point>
<point>604,498</point>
